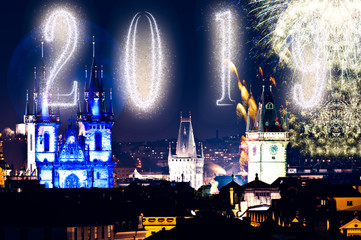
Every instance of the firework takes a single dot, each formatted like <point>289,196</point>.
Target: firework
<point>134,74</point>
<point>320,42</point>
<point>226,33</point>
<point>311,40</point>
<point>61,17</point>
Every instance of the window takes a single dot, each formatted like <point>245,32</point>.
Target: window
<point>349,203</point>
<point>98,175</point>
<point>46,141</point>
<point>269,105</point>
<point>323,202</point>
<point>89,233</point>
<point>96,233</point>
<point>98,141</point>
<point>109,231</point>
<point>102,232</point>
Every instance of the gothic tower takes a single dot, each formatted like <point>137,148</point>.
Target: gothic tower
<point>186,165</point>
<point>267,142</point>
<point>43,126</point>
<point>83,157</point>
<point>95,124</point>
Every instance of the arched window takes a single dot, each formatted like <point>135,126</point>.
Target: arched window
<point>46,141</point>
<point>98,141</point>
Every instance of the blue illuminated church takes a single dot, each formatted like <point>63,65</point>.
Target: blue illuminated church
<point>82,157</point>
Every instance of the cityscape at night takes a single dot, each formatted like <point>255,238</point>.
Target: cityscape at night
<point>204,119</point>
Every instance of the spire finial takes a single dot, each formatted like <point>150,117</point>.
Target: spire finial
<point>181,115</point>
<point>42,46</point>
<point>262,88</point>
<point>34,73</point>
<point>101,71</point>
<point>27,103</point>
<point>86,71</point>
<point>93,46</point>
<point>190,115</point>
<point>270,87</point>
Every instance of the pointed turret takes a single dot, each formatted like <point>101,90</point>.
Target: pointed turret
<point>35,94</point>
<point>186,146</point>
<point>79,103</point>
<point>248,122</point>
<point>111,102</point>
<point>170,150</point>
<point>94,78</point>
<point>27,111</point>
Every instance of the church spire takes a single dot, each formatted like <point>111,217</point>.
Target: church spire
<point>79,102</point>
<point>93,47</point>
<point>35,94</point>
<point>248,122</point>
<point>86,78</point>
<point>27,103</point>
<point>94,79</point>
<point>170,150</point>
<point>110,102</point>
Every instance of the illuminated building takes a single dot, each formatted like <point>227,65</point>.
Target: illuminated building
<point>352,228</point>
<point>4,167</point>
<point>82,158</point>
<point>105,232</point>
<point>267,142</point>
<point>186,165</point>
<point>156,224</point>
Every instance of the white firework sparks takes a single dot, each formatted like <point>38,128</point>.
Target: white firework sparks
<point>314,36</point>
<point>67,52</point>
<point>134,75</point>
<point>226,34</point>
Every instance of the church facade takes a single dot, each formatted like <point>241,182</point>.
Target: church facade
<point>267,142</point>
<point>186,165</point>
<point>82,157</point>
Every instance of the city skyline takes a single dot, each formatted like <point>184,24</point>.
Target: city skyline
<point>192,82</point>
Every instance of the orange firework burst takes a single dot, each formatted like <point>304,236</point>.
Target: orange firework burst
<point>273,81</point>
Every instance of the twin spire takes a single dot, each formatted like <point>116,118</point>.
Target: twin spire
<point>92,87</point>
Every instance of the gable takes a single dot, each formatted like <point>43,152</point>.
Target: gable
<point>355,223</point>
<point>71,150</point>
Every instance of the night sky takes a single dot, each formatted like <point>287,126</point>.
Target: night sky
<point>186,28</point>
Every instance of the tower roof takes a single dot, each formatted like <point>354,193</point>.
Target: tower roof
<point>266,119</point>
<point>186,146</point>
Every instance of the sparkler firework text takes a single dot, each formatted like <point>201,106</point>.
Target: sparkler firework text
<point>70,99</point>
<point>226,32</point>
<point>134,74</point>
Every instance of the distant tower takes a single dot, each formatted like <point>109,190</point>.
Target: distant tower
<point>267,142</point>
<point>186,165</point>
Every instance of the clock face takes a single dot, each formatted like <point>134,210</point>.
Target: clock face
<point>273,149</point>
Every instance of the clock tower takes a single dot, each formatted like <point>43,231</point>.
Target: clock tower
<point>267,142</point>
